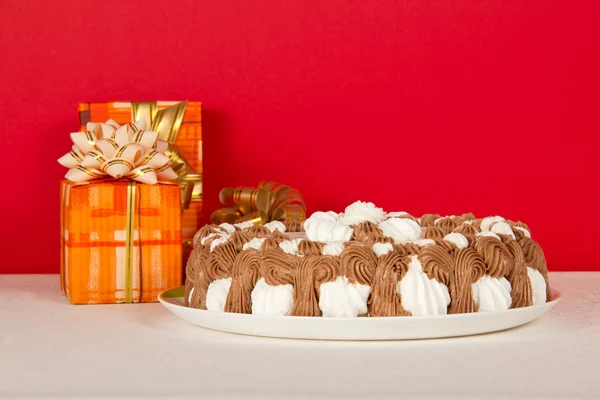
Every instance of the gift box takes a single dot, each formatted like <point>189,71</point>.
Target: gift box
<point>131,198</point>
<point>178,123</point>
<point>121,241</point>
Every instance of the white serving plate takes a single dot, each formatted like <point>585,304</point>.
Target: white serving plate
<point>371,328</point>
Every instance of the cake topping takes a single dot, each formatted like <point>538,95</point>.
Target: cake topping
<point>333,249</point>
<point>279,236</point>
<point>269,243</point>
<point>382,248</point>
<point>423,242</point>
<point>534,258</point>
<point>310,248</point>
<point>313,271</point>
<point>488,234</point>
<point>358,263</point>
<point>502,228</point>
<point>448,224</point>
<point>278,268</point>
<point>293,226</point>
<point>496,256</point>
<point>486,222</point>
<point>429,219</point>
<point>275,225</point>
<point>466,230</point>
<point>368,232</point>
<point>216,241</point>
<point>402,230</point>
<point>360,211</point>
<point>401,214</point>
<point>434,232</point>
<point>245,274</point>
<point>227,227</point>
<point>239,239</point>
<point>255,244</point>
<point>324,229</point>
<point>461,219</point>
<point>244,225</point>
<point>197,280</point>
<point>385,299</point>
<point>469,266</point>
<point>257,231</point>
<point>460,241</point>
<point>521,286</point>
<point>221,261</point>
<point>437,263</point>
<point>290,246</point>
<point>205,231</point>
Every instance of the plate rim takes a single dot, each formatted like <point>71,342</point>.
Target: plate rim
<point>175,293</point>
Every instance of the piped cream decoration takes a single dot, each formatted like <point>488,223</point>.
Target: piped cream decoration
<point>459,240</point>
<point>360,211</point>
<point>217,294</point>
<point>343,299</point>
<point>402,230</point>
<point>421,295</point>
<point>538,286</point>
<point>272,300</point>
<point>492,294</point>
<point>486,222</point>
<point>275,225</point>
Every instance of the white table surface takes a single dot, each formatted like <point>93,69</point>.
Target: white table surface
<point>52,349</point>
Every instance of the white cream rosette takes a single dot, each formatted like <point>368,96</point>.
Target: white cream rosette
<point>127,151</point>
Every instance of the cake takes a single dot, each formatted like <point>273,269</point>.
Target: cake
<point>366,262</point>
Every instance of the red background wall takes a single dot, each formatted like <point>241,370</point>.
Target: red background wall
<point>448,106</point>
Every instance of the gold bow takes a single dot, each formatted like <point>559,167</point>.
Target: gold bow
<point>167,123</point>
<point>269,201</point>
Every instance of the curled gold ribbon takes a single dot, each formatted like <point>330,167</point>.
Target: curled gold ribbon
<point>269,201</point>
<point>167,122</point>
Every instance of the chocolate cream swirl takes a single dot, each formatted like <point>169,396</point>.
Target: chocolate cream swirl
<point>434,232</point>
<point>239,239</point>
<point>469,266</point>
<point>221,261</point>
<point>461,219</point>
<point>294,226</point>
<point>368,232</point>
<point>278,236</point>
<point>245,274</point>
<point>437,263</point>
<point>429,219</point>
<point>521,293</point>
<point>269,243</point>
<point>448,224</point>
<point>358,262</point>
<point>278,267</point>
<point>385,301</point>
<point>467,230</point>
<point>313,271</point>
<point>309,248</point>
<point>205,231</point>
<point>534,258</point>
<point>257,231</point>
<point>197,279</point>
<point>495,255</point>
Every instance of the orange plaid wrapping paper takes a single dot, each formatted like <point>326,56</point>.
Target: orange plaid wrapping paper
<point>94,223</point>
<point>188,143</point>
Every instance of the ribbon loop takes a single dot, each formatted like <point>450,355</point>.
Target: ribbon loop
<point>142,150</point>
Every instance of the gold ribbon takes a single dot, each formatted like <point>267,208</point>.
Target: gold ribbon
<point>269,201</point>
<point>129,244</point>
<point>167,123</point>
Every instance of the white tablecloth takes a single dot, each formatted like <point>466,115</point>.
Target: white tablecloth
<point>52,349</point>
